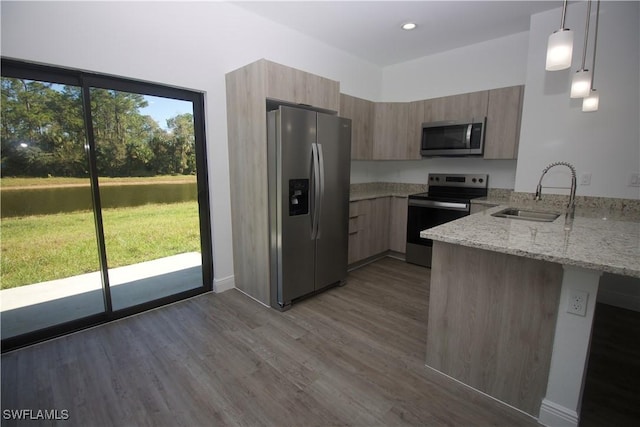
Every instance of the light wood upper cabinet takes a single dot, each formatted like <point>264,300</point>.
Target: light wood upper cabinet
<point>389,130</point>
<point>504,113</point>
<point>414,129</point>
<point>296,86</point>
<point>360,111</point>
<point>456,107</point>
<point>391,136</point>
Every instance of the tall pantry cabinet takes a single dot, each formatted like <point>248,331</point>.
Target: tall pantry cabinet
<point>248,90</point>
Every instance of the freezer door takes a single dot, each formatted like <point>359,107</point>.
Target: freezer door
<point>334,147</point>
<point>291,138</point>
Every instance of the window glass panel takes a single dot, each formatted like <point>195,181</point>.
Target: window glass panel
<point>50,266</point>
<point>145,151</point>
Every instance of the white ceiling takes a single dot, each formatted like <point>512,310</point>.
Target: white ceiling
<point>371,29</point>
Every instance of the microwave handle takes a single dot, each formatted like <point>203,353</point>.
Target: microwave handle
<point>468,136</point>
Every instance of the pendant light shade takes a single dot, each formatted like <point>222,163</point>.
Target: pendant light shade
<point>559,50</point>
<point>581,84</point>
<point>590,103</point>
<point>560,46</point>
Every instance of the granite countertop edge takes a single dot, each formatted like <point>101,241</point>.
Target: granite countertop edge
<point>609,246</point>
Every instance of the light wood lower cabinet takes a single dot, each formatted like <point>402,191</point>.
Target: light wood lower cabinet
<point>376,226</point>
<point>492,320</point>
<point>398,224</point>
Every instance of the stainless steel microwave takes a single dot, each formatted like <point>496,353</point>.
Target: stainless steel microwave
<point>453,138</point>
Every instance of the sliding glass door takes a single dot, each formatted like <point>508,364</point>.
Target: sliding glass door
<point>104,207</point>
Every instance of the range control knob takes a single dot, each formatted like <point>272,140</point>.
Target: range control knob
<point>481,180</point>
<point>473,180</point>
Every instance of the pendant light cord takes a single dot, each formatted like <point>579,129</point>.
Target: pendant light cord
<point>564,14</point>
<point>595,44</point>
<point>586,34</point>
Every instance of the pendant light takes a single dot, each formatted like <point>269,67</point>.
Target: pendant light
<point>581,83</point>
<point>590,103</point>
<point>560,46</point>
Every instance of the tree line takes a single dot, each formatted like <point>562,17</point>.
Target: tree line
<point>43,133</point>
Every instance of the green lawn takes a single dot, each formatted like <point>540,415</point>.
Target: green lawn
<point>47,247</point>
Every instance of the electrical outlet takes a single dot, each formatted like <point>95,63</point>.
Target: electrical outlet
<point>577,302</point>
<point>634,180</point>
<point>585,179</point>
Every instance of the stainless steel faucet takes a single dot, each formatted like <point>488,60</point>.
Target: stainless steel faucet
<point>571,206</point>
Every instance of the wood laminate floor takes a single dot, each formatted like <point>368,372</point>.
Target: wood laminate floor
<point>612,388</point>
<point>350,356</point>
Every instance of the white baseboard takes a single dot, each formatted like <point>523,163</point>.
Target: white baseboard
<point>554,415</point>
<point>224,284</point>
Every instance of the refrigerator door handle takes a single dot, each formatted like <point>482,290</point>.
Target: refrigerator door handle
<point>316,190</point>
<point>321,196</point>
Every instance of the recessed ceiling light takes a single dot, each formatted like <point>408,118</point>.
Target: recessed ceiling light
<point>408,26</point>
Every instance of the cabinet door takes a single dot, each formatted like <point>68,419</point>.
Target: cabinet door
<point>414,130</point>
<point>297,86</point>
<point>398,224</point>
<point>432,110</point>
<point>390,130</point>
<point>465,106</point>
<point>379,226</point>
<point>368,228</point>
<point>358,230</point>
<point>503,123</point>
<point>360,111</point>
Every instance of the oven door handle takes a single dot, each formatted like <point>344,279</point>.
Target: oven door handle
<point>451,206</point>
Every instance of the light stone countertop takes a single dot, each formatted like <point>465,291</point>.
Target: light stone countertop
<point>610,245</point>
<point>375,190</point>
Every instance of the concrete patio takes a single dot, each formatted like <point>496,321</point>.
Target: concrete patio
<point>32,307</point>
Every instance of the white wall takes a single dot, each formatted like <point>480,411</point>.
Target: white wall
<point>190,45</point>
<point>605,143</point>
<point>487,65</point>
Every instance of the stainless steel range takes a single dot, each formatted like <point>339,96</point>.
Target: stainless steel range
<point>447,199</point>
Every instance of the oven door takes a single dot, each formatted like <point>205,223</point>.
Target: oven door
<point>423,214</point>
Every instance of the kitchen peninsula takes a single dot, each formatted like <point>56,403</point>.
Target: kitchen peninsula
<point>500,294</point>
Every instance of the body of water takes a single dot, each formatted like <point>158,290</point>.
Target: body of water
<point>52,200</point>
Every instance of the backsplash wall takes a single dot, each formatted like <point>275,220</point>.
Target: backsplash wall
<point>501,173</point>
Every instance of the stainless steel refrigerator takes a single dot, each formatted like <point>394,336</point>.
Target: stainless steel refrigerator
<point>309,162</point>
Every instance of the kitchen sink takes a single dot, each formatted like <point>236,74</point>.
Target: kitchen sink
<point>526,215</point>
